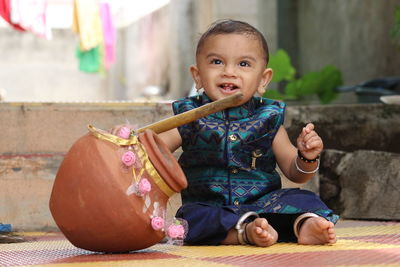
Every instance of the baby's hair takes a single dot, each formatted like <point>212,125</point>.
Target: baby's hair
<point>228,26</point>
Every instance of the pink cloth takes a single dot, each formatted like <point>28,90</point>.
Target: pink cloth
<point>109,34</point>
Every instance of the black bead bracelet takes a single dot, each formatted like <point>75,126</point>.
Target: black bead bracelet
<point>306,159</point>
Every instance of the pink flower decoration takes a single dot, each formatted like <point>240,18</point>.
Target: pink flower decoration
<point>144,186</point>
<point>124,132</point>
<point>176,231</point>
<point>128,158</point>
<point>157,223</point>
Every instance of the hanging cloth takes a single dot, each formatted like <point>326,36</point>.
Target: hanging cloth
<point>5,14</point>
<point>31,15</point>
<point>109,34</point>
<point>87,24</point>
<point>89,61</point>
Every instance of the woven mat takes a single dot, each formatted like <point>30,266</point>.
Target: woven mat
<point>360,243</point>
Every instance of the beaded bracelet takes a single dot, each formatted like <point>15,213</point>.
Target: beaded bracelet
<point>306,159</point>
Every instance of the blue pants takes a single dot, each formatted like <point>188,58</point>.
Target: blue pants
<point>209,224</point>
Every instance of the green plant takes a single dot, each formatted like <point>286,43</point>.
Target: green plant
<point>322,83</point>
<point>395,31</point>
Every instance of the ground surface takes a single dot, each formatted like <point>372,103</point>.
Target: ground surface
<point>360,243</point>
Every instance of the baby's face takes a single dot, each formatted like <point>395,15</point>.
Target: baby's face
<point>230,63</point>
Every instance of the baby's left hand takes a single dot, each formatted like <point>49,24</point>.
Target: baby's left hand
<point>309,143</point>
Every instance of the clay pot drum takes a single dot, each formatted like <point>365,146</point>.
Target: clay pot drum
<point>110,193</point>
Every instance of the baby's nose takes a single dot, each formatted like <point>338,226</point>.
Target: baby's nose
<point>230,70</point>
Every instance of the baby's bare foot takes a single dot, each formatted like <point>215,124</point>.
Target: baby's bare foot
<point>260,233</point>
<point>317,231</point>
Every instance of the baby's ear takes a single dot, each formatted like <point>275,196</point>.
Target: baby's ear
<point>196,76</point>
<point>265,79</point>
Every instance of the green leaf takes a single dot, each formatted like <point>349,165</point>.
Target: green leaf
<point>281,65</point>
<point>331,78</point>
<point>276,95</point>
<point>395,31</point>
<point>273,94</point>
<point>323,83</point>
<point>397,14</point>
<point>311,83</point>
<point>293,88</point>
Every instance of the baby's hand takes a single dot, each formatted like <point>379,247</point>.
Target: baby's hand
<point>309,143</point>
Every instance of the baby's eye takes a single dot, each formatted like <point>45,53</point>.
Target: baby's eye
<point>244,64</point>
<point>216,61</point>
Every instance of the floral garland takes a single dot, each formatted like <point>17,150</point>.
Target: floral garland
<point>175,229</point>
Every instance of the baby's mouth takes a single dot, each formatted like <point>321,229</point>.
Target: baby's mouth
<point>228,87</point>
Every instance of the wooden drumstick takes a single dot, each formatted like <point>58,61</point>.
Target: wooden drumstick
<point>194,114</point>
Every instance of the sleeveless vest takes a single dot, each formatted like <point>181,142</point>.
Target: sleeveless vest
<point>227,156</point>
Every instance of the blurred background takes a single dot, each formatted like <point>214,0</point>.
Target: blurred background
<point>143,49</point>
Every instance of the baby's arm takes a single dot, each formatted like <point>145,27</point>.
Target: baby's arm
<point>172,139</point>
<point>308,143</point>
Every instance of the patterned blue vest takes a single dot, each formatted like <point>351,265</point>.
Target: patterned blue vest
<point>227,156</point>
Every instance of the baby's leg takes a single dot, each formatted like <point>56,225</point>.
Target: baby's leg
<point>316,231</point>
<point>260,233</point>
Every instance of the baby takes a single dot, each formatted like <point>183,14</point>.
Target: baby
<point>234,194</point>
<point>229,158</point>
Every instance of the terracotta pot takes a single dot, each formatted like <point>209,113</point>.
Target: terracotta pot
<point>91,201</point>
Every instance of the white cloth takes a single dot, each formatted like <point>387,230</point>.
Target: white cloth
<point>31,15</point>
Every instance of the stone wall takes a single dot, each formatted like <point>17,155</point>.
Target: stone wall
<point>363,184</point>
<point>360,167</point>
<point>350,127</point>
